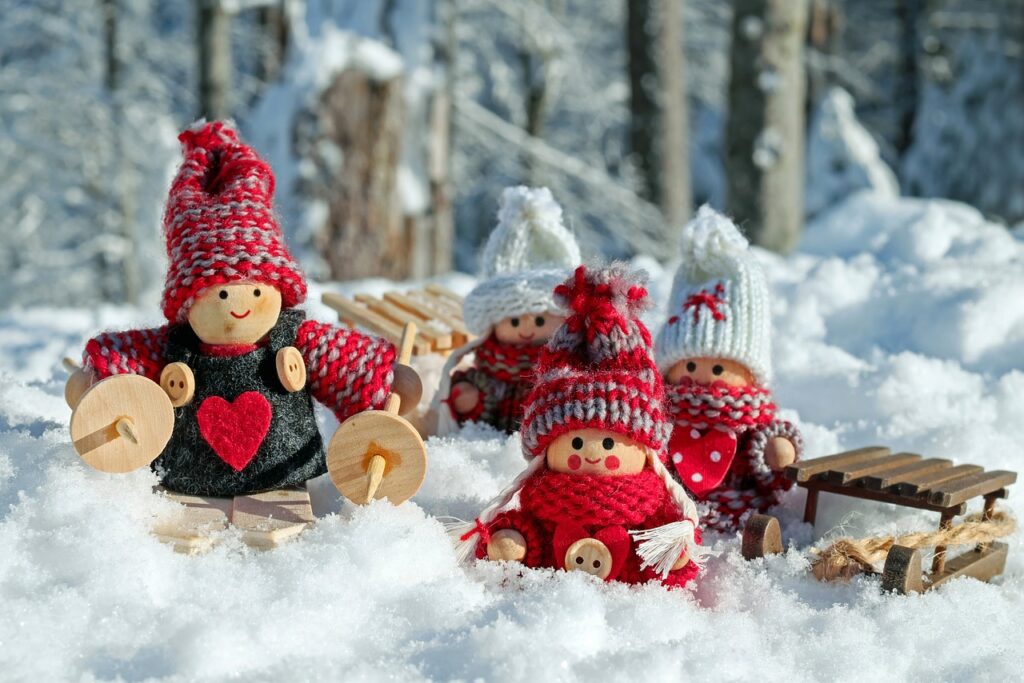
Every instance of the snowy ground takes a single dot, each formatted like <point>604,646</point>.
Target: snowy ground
<point>898,321</point>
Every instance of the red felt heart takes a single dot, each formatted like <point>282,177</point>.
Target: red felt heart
<point>615,538</point>
<point>235,430</point>
<point>702,460</point>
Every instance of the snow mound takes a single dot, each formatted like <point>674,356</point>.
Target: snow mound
<point>898,321</point>
<point>842,157</point>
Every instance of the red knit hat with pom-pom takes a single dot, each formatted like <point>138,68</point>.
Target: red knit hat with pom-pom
<point>219,222</point>
<point>598,370</point>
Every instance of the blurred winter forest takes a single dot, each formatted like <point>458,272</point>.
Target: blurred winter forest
<point>392,125</point>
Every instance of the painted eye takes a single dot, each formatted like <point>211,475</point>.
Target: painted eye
<point>223,294</point>
<point>717,370</point>
<point>514,322</point>
<point>577,443</point>
<point>256,292</point>
<point>691,367</point>
<point>539,321</point>
<point>608,443</point>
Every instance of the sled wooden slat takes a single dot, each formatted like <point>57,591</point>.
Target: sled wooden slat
<point>803,471</point>
<point>376,323</point>
<point>925,482</point>
<point>889,478</point>
<point>269,519</point>
<point>852,472</point>
<point>855,491</point>
<point>439,341</point>
<point>963,489</point>
<point>437,316</point>
<point>443,292</point>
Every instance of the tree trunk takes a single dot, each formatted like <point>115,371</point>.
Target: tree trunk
<point>910,13</point>
<point>214,60</point>
<point>659,124</point>
<point>441,142</point>
<point>765,130</point>
<point>356,150</point>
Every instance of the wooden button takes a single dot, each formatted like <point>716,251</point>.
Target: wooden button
<point>291,369</point>
<point>178,383</point>
<point>591,556</point>
<point>507,544</point>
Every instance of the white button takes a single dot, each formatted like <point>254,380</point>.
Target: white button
<point>694,434</point>
<point>677,457</point>
<point>715,456</point>
<point>697,477</point>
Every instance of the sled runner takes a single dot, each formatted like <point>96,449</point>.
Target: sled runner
<point>906,479</point>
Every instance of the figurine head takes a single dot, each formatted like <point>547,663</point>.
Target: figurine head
<point>595,451</point>
<point>238,313</point>
<point>222,233</point>
<point>707,371</point>
<point>528,330</point>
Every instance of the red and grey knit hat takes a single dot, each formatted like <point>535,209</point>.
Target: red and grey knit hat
<point>598,370</point>
<point>219,222</point>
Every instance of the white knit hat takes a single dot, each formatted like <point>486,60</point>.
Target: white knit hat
<point>719,305</point>
<point>526,257</point>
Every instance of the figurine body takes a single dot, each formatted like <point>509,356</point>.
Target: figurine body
<point>727,446</point>
<point>512,311</point>
<point>596,489</point>
<point>235,355</point>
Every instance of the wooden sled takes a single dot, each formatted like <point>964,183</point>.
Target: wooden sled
<point>906,479</point>
<point>435,310</point>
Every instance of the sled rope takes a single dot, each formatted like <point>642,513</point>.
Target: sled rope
<point>847,557</point>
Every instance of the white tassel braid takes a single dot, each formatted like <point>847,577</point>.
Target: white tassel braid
<point>464,534</point>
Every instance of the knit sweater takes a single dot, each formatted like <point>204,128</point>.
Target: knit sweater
<point>503,374</point>
<point>557,508</point>
<point>347,371</point>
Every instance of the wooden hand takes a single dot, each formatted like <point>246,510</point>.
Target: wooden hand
<point>683,560</point>
<point>464,397</point>
<point>779,453</point>
<point>408,386</point>
<point>507,544</point>
<point>77,384</point>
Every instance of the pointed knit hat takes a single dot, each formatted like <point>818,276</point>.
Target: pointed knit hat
<point>219,222</point>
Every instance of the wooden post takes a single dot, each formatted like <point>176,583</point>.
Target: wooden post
<point>765,129</point>
<point>214,38</point>
<point>811,507</point>
<point>361,118</point>
<point>939,560</point>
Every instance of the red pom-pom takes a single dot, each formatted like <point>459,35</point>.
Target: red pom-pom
<point>604,293</point>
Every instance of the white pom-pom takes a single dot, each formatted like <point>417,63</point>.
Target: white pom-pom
<point>711,242</point>
<point>529,235</point>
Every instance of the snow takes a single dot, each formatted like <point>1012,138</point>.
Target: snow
<point>897,321</point>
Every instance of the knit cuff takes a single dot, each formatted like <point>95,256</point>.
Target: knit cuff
<point>759,442</point>
<point>349,372</point>
<point>133,352</point>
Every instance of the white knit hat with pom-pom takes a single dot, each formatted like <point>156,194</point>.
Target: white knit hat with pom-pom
<point>719,306</point>
<point>527,255</point>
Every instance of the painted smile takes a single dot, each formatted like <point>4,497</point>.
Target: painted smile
<point>239,317</point>
<point>594,461</point>
<point>527,337</point>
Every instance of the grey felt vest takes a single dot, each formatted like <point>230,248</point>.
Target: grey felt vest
<point>291,452</point>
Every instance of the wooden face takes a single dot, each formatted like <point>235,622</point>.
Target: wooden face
<point>709,371</point>
<point>528,330</point>
<point>595,451</point>
<point>239,313</point>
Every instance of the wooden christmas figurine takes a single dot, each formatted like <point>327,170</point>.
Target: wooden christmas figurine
<point>596,495</point>
<point>512,311</point>
<point>727,447</point>
<point>238,361</point>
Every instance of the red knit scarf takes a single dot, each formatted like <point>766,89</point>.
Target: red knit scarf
<point>736,408</point>
<point>585,499</point>
<point>507,362</point>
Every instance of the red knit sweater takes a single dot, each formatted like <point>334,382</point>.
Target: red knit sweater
<point>553,504</point>
<point>347,371</point>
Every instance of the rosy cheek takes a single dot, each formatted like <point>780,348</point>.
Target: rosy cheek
<point>612,462</point>
<point>575,462</point>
